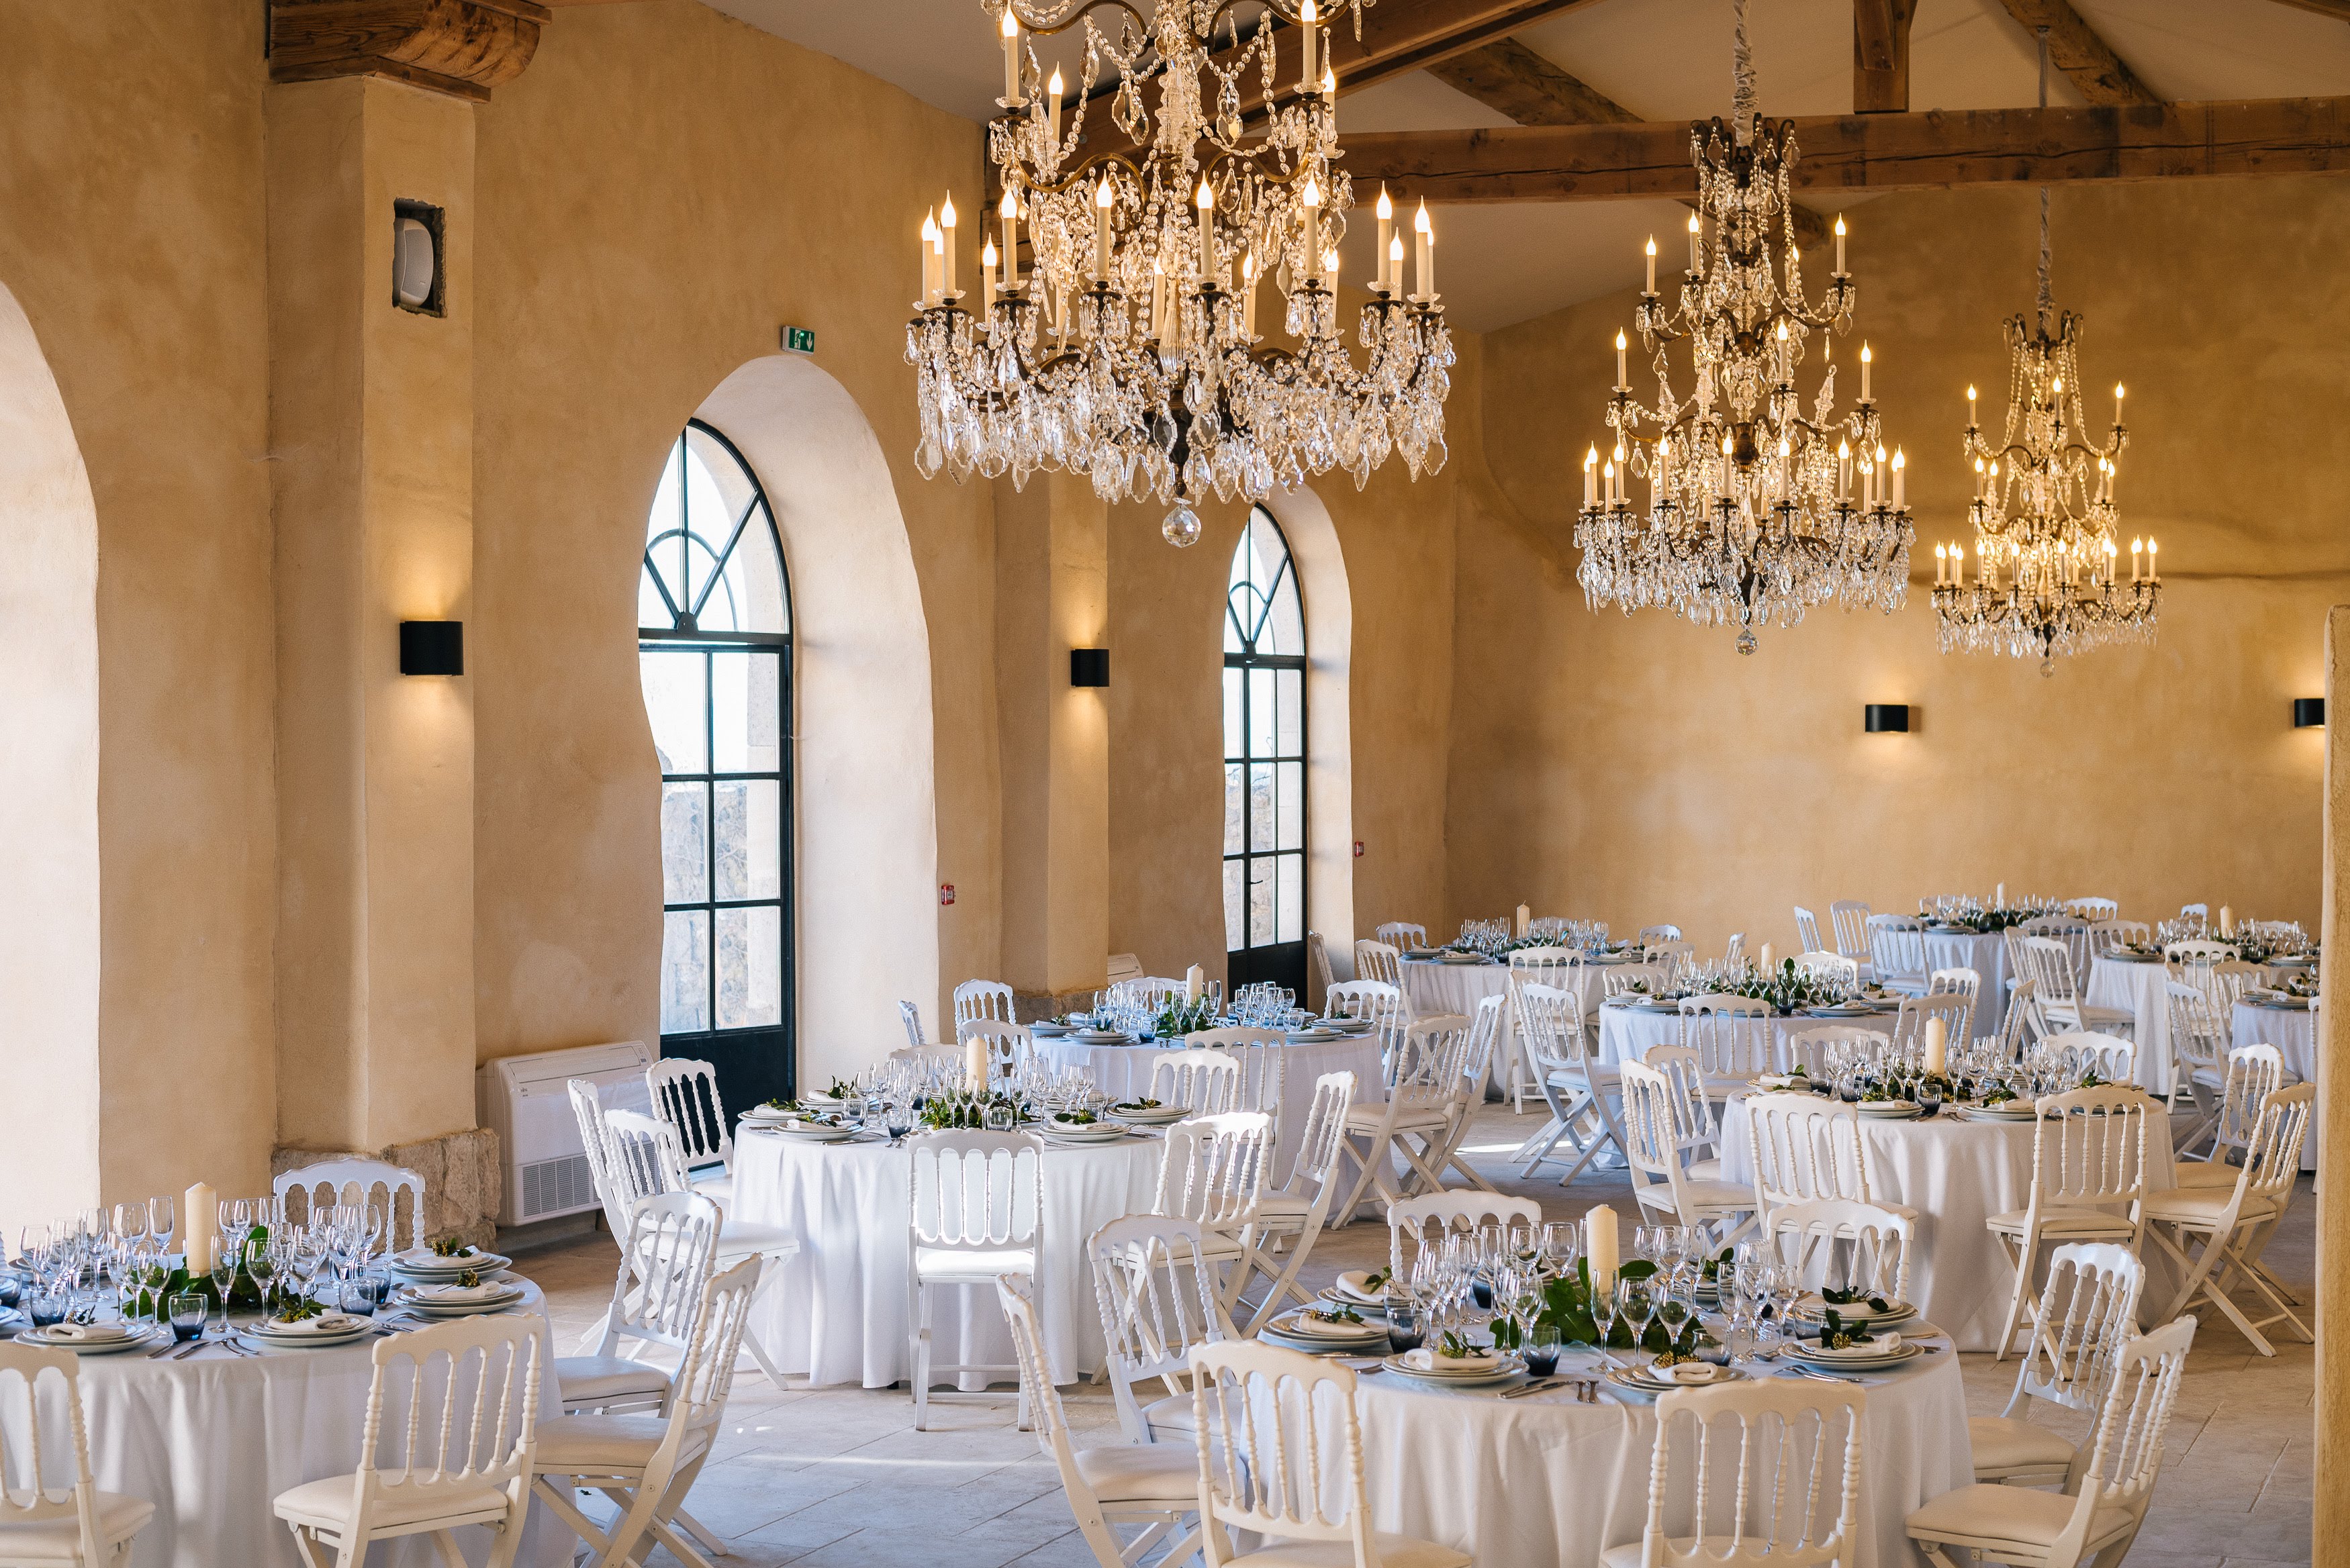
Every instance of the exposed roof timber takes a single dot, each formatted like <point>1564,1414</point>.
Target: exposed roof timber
<point>2098,74</point>
<point>1880,55</point>
<point>2338,9</point>
<point>1937,150</point>
<point>1513,79</point>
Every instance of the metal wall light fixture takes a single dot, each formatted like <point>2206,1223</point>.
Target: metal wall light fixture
<point>1887,718</point>
<point>1089,667</point>
<point>2309,712</point>
<point>432,648</point>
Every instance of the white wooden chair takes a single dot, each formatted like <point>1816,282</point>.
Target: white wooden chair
<point>1155,1486</point>
<point>1121,967</point>
<point>1379,1000</point>
<point>2250,1075</point>
<point>1712,1445</point>
<point>1733,1036</point>
<point>1617,980</point>
<point>646,1464</point>
<point>2198,1067</point>
<point>982,999</point>
<point>1556,967</point>
<point>462,1455</point>
<point>1805,1149</point>
<point>1449,1211</point>
<point>1674,957</point>
<point>2093,909</point>
<point>1378,961</point>
<point>329,1183</point>
<point>2114,1061</point>
<point>1848,921</point>
<point>1581,1092</point>
<point>1807,931</point>
<point>1213,1171</point>
<point>1424,1077</point>
<point>1696,1127</point>
<point>2069,932</point>
<point>1963,983</point>
<point>1828,966</point>
<point>2048,964</point>
<point>1485,1036</point>
<point>587,1110</point>
<point>685,1094</point>
<point>2231,1223</point>
<point>2201,912</point>
<point>2224,983</point>
<point>1661,1184</point>
<point>2109,935</point>
<point>1320,976</point>
<point>2107,1488</point>
<point>976,1211</point>
<point>1955,1009</point>
<point>1897,951</point>
<point>2088,1166</point>
<point>1735,950</point>
<point>1290,1219</point>
<point>666,1260</point>
<point>2086,1312</point>
<point>2197,950</point>
<point>910,1016</point>
<point>1400,934</point>
<point>2022,1023</point>
<point>42,1522</point>
<point>1263,1470</point>
<point>1665,932</point>
<point>1009,1045</point>
<point>1810,1048</point>
<point>1845,1242</point>
<point>1204,1083</point>
<point>1155,1291</point>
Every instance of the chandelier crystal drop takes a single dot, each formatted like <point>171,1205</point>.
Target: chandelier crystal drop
<point>1131,349</point>
<point>2047,558</point>
<point>1756,511</point>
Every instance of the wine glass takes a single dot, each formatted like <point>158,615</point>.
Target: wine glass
<point>260,1262</point>
<point>162,1221</point>
<point>1674,1308</point>
<point>1603,1314</point>
<point>223,1273</point>
<point>129,1225</point>
<point>1635,1304</point>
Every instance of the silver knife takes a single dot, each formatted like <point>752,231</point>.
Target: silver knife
<point>1539,1386</point>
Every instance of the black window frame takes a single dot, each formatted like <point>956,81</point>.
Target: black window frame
<point>1276,962</point>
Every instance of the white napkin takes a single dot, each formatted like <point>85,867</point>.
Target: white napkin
<point>1425,1359</point>
<point>462,1293</point>
<point>325,1322</point>
<point>1356,1283</point>
<point>1885,1344</point>
<point>85,1332</point>
<point>426,1258</point>
<point>1693,1374</point>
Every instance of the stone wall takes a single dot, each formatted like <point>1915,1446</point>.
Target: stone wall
<point>461,1179</point>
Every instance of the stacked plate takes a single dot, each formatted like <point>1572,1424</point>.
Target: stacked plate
<point>2017,1110</point>
<point>1301,1330</point>
<point>421,1265</point>
<point>1450,957</point>
<point>1047,1031</point>
<point>1811,1312</point>
<point>1353,1289</point>
<point>93,1338</point>
<point>1875,1357</point>
<point>1347,1025</point>
<point>311,1334</point>
<point>1424,1366</point>
<point>457,1301</point>
<point>1888,1110</point>
<point>1653,1380</point>
<point>1061,1130</point>
<point>1100,1037</point>
<point>811,1131</point>
<point>768,1116</point>
<point>1317,1035</point>
<point>1134,1114</point>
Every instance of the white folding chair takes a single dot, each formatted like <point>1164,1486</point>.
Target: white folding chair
<point>1896,949</point>
<point>1156,1293</point>
<point>1379,962</point>
<point>1290,1219</point>
<point>2088,1161</point>
<point>2108,1488</point>
<point>665,1261</point>
<point>1401,933</point>
<point>976,1211</point>
<point>2114,1061</point>
<point>1449,1211</point>
<point>2048,964</point>
<point>1848,920</point>
<point>1963,983</point>
<point>1807,931</point>
<point>910,1016</point>
<point>1485,1032</point>
<point>1424,1077</point>
<point>2252,1074</point>
<point>1554,967</point>
<point>1810,1048</point>
<point>1733,1036</point>
<point>40,1520</point>
<point>1763,1473</point>
<point>989,999</point>
<point>1256,1409</point>
<point>1955,1009</point>
<point>587,1110</point>
<point>1156,1486</point>
<point>1321,977</point>
<point>1581,1092</point>
<point>685,1094</point>
<point>1845,1242</point>
<point>2022,1022</point>
<point>463,1455</point>
<point>1805,1149</point>
<point>2086,1312</point>
<point>1828,966</point>
<point>328,1182</point>
<point>1204,1083</point>
<point>1660,1181</point>
<point>2231,1223</point>
<point>645,1464</point>
<point>1213,1171</point>
<point>1659,933</point>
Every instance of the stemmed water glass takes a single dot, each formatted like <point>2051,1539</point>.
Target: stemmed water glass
<point>1675,1305</point>
<point>1635,1304</point>
<point>162,1222</point>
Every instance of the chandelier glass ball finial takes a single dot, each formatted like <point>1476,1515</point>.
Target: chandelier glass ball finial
<point>1181,527</point>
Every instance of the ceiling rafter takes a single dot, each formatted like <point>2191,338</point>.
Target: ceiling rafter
<point>1880,55</point>
<point>2100,76</point>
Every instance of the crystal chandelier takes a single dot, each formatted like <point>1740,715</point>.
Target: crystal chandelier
<point>1131,349</point>
<point>2046,563</point>
<point>1752,514</point>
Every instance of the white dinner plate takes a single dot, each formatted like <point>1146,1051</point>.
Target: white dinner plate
<point>1085,1132</point>
<point>409,1299</point>
<point>1298,1324</point>
<point>1311,1036</point>
<point>1100,1037</point>
<point>1158,1117</point>
<point>421,1263</point>
<point>2024,1111</point>
<point>259,1335</point>
<point>1811,1310</point>
<point>1647,1380</point>
<point>115,1347</point>
<point>1888,1110</point>
<point>1462,957</point>
<point>1510,1367</point>
<point>1852,1361</point>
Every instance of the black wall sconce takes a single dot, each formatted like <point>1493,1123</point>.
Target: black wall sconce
<point>432,648</point>
<point>2309,712</point>
<point>1089,667</point>
<point>1887,718</point>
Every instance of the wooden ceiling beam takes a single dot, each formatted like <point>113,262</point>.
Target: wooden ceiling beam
<point>461,47</point>
<point>2337,9</point>
<point>2100,76</point>
<point>1938,150</point>
<point>1880,55</point>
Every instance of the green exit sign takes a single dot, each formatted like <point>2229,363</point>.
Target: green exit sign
<point>799,339</point>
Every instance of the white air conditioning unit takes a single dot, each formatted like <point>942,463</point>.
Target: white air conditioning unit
<point>527,1101</point>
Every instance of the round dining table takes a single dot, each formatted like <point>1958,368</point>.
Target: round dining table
<point>1957,1174</point>
<point>839,1313</point>
<point>1628,1030</point>
<point>2293,1032</point>
<point>1547,1481</point>
<point>211,1438</point>
<point>2140,985</point>
<point>1985,953</point>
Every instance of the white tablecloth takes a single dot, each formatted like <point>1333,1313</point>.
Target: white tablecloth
<point>2293,1032</point>
<point>213,1439</point>
<point>1957,1174</point>
<point>2139,988</point>
<point>1626,1033</point>
<point>1546,1482</point>
<point>1123,1073</point>
<point>1987,956</point>
<point>839,1313</point>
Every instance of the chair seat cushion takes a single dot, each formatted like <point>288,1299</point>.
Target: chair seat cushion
<point>1171,1416</point>
<point>1629,1554</point>
<point>587,1444</point>
<point>118,1519</point>
<point>1715,1193</point>
<point>2003,1446</point>
<point>1704,1170</point>
<point>1995,1516</point>
<point>954,1265</point>
<point>714,1184</point>
<point>2194,1173</point>
<point>606,1379</point>
<point>1143,1472</point>
<point>2203,1206</point>
<point>326,1503</point>
<point>1371,1118</point>
<point>738,1241</point>
<point>2064,1220</point>
<point>1275,1208</point>
<point>1394,1551</point>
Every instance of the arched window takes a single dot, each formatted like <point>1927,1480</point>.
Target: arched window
<point>1264,762</point>
<point>714,639</point>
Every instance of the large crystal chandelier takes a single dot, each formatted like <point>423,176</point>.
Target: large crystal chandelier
<point>1756,512</point>
<point>1131,349</point>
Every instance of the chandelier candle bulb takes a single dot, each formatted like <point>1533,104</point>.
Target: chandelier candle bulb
<point>947,248</point>
<point>1310,203</point>
<point>1591,478</point>
<point>1053,89</point>
<point>1652,264</point>
<point>1900,481</point>
<point>1205,199</point>
<point>1864,357</point>
<point>1844,471</point>
<point>987,274</point>
<point>1623,381</point>
<point>1103,197</point>
<point>1391,272</point>
<point>1248,296</point>
<point>1839,233</point>
<point>2137,548</point>
<point>1306,19</point>
<point>1011,98</point>
<point>1697,241</point>
<point>2153,572</point>
<point>1941,554</point>
<point>1387,237</point>
<point>1425,246</point>
<point>1008,212</point>
<point>931,273</point>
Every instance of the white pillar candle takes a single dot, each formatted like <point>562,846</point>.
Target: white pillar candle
<point>1525,919</point>
<point>1937,1044</point>
<point>2227,921</point>
<point>1195,980</point>
<point>974,1062</point>
<point>1999,898</point>
<point>1766,958</point>
<point>199,1226</point>
<point>1599,1242</point>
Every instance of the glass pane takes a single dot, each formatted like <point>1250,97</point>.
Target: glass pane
<point>1235,933</point>
<point>749,594</point>
<point>1232,714</point>
<point>1236,810</point>
<point>1260,805</point>
<point>1291,904</point>
<point>1285,628</point>
<point>750,839</point>
<point>685,846</point>
<point>746,714</point>
<point>1289,826</point>
<point>1260,714</point>
<point>1289,712</point>
<point>1232,628</point>
<point>1260,902</point>
<point>674,702</point>
<point>685,973</point>
<point>750,968</point>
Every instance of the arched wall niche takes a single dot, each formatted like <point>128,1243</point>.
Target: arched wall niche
<point>49,788</point>
<point>866,850</point>
<point>1329,725</point>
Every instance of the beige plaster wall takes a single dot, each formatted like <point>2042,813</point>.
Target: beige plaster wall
<point>1641,770</point>
<point>630,259</point>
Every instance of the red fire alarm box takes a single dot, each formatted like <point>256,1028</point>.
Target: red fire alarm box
<point>946,892</point>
